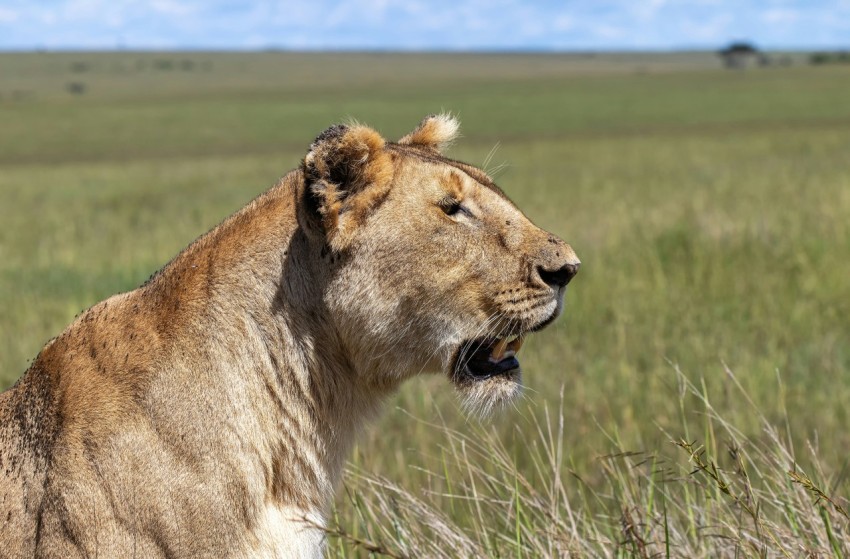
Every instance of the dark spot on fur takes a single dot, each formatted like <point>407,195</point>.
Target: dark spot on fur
<point>30,424</point>
<point>334,132</point>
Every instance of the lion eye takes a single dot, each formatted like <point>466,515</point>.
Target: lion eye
<point>450,206</point>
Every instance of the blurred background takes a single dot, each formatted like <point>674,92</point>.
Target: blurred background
<point>695,154</point>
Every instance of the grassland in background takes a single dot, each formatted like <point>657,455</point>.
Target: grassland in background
<point>710,208</point>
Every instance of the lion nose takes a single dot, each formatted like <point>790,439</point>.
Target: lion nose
<point>557,279</point>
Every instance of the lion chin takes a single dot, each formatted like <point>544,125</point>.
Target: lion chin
<point>486,371</point>
<point>482,398</point>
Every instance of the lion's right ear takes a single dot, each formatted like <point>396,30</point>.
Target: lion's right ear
<point>347,173</point>
<point>435,132</point>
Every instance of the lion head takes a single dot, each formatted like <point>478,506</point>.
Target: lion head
<point>430,267</point>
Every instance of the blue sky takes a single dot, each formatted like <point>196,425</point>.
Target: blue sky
<point>422,24</point>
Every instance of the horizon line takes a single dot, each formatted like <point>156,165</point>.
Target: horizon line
<point>429,50</point>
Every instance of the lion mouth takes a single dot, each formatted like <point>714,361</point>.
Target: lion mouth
<point>489,357</point>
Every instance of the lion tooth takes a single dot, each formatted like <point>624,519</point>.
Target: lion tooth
<point>516,344</point>
<point>498,350</point>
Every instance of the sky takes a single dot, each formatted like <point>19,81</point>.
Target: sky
<point>422,24</point>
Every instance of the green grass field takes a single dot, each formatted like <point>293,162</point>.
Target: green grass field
<point>710,208</point>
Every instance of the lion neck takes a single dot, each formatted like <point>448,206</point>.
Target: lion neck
<point>323,397</point>
<point>304,383</point>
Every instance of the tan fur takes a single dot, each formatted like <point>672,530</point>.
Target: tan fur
<point>209,412</point>
<point>435,132</point>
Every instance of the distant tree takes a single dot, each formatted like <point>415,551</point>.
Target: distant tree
<point>819,58</point>
<point>76,88</point>
<point>840,57</point>
<point>739,55</point>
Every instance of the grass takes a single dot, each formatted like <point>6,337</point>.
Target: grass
<point>711,211</point>
<point>727,496</point>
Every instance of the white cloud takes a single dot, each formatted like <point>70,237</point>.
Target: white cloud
<point>607,31</point>
<point>172,7</point>
<point>7,15</point>
<point>712,30</point>
<point>647,10</point>
<point>88,9</point>
<point>596,24</point>
<point>780,16</point>
<point>564,23</point>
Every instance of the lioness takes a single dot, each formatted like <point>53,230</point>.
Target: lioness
<point>209,412</point>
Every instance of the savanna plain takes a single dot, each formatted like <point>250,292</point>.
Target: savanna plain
<point>691,402</point>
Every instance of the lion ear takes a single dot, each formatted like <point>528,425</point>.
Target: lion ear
<point>347,173</point>
<point>435,132</point>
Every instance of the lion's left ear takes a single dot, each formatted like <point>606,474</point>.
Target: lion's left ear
<point>348,173</point>
<point>435,132</point>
